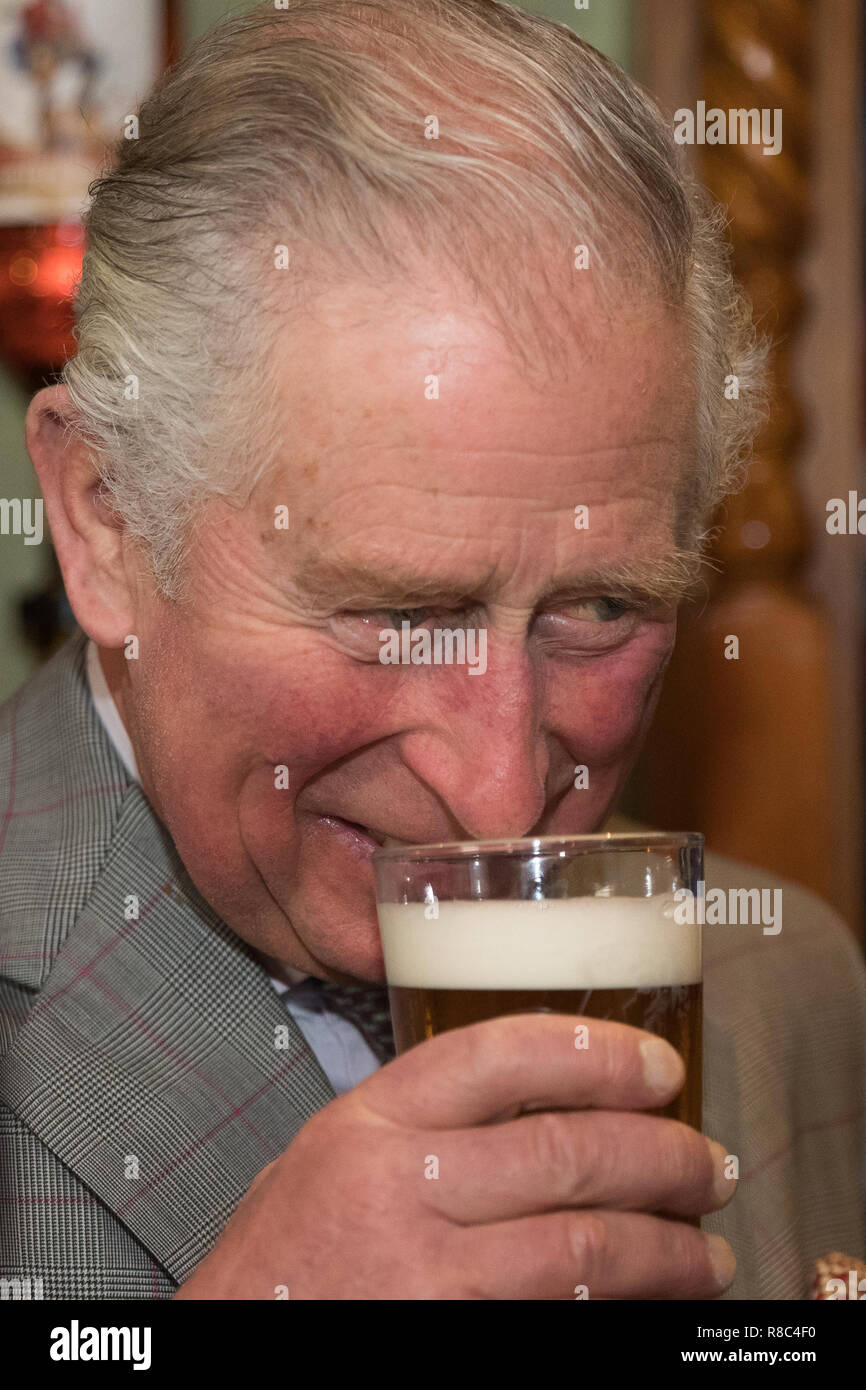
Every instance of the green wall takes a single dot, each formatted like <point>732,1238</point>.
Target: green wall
<point>606,23</point>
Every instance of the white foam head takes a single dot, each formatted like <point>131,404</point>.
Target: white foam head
<point>552,943</point>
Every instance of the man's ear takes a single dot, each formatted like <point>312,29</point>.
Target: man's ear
<point>87,535</point>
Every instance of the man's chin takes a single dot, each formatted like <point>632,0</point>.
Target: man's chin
<point>322,936</point>
<point>345,951</point>
<point>333,902</point>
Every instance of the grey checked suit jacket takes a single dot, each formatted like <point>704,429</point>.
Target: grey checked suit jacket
<point>141,1089</point>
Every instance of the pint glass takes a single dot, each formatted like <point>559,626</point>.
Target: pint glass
<point>592,925</point>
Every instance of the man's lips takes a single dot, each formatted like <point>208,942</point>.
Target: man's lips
<point>372,839</point>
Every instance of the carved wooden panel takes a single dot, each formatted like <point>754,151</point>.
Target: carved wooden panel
<point>743,749</point>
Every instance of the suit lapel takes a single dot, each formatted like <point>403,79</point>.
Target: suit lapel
<point>157,1062</point>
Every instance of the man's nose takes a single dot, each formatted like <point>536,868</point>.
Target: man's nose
<point>482,747</point>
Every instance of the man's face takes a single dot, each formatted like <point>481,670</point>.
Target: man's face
<point>448,511</point>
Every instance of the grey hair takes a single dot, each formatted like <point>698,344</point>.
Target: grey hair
<point>304,126</point>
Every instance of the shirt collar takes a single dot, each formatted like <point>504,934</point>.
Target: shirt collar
<point>108,712</point>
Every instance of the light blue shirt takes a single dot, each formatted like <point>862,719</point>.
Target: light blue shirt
<point>340,1049</point>
<point>342,1052</point>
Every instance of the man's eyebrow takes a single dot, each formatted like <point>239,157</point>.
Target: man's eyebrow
<point>332,583</point>
<point>666,578</point>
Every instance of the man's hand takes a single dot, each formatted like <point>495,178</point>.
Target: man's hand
<point>430,1181</point>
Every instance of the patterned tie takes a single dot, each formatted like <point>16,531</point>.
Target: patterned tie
<point>366,1006</point>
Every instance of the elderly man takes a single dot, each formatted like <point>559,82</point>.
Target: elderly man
<point>391,313</point>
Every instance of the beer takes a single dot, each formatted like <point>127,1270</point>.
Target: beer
<point>619,958</point>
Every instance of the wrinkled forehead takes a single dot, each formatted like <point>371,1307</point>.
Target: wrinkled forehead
<point>407,425</point>
<point>428,381</point>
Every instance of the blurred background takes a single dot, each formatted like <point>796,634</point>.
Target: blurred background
<point>762,749</point>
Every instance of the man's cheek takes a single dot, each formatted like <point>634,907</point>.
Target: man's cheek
<point>305,701</point>
<point>611,704</point>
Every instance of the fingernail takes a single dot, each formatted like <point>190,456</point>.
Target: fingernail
<point>723,1186</point>
<point>663,1068</point>
<point>721,1258</point>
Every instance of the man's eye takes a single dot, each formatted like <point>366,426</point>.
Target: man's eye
<point>396,617</point>
<point>588,626</point>
<point>358,632</point>
<point>597,610</point>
